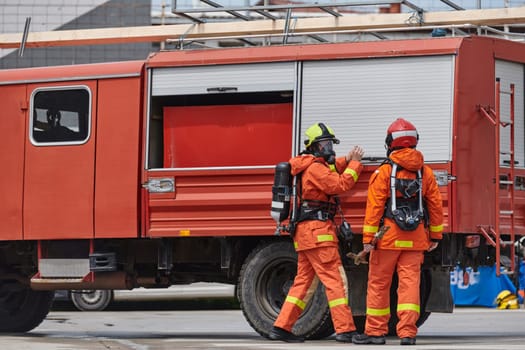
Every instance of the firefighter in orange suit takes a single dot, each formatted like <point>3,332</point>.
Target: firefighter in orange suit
<point>322,177</point>
<point>404,195</point>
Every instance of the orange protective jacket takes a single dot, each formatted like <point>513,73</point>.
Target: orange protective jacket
<point>320,181</point>
<point>411,160</point>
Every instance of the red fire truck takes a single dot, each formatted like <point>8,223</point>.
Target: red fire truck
<point>159,172</point>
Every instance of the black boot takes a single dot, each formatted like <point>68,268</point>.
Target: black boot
<point>282,334</point>
<point>345,337</point>
<point>408,341</point>
<point>366,339</point>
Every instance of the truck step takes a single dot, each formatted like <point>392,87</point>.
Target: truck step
<point>506,212</point>
<point>63,268</point>
<point>99,262</point>
<point>40,280</point>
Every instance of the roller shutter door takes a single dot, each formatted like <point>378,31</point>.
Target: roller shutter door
<point>512,73</point>
<point>223,78</point>
<point>359,98</point>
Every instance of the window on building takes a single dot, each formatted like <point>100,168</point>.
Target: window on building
<point>60,116</point>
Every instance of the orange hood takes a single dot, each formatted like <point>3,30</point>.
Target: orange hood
<point>409,158</point>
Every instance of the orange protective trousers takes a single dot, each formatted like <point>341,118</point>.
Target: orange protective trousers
<point>383,262</point>
<point>325,263</point>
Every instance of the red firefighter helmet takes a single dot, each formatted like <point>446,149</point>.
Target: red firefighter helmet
<point>401,134</point>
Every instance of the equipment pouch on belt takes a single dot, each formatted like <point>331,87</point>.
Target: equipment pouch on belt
<point>344,232</point>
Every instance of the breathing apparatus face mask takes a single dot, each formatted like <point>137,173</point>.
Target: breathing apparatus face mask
<point>325,149</point>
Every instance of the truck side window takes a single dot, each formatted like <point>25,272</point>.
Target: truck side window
<point>60,115</point>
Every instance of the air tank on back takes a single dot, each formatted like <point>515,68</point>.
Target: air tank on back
<point>281,192</point>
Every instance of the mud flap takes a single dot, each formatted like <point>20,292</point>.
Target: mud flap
<point>440,298</point>
<point>357,285</point>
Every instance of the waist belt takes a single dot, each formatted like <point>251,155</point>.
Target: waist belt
<point>317,210</point>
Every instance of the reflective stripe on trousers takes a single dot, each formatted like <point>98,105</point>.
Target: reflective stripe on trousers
<point>382,265</point>
<point>316,264</point>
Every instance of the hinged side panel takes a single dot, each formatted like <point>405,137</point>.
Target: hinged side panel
<point>12,158</point>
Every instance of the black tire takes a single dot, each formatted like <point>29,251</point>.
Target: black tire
<point>91,300</point>
<point>264,281</point>
<point>21,308</point>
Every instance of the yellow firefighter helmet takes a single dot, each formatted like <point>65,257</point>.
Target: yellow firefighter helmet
<point>507,300</point>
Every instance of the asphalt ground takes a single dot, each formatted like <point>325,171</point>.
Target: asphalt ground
<point>466,328</point>
<point>202,321</point>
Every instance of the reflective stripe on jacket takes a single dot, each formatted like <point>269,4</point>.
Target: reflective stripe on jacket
<point>320,181</point>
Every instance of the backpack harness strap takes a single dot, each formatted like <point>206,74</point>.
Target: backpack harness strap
<point>407,211</point>
<point>315,209</point>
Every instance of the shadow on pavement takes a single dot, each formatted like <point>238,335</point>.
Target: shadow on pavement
<point>182,304</point>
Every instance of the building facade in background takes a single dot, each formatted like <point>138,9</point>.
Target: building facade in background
<point>70,15</point>
<point>50,15</point>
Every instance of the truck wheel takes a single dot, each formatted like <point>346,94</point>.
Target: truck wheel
<point>91,300</point>
<point>264,281</point>
<point>21,308</point>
